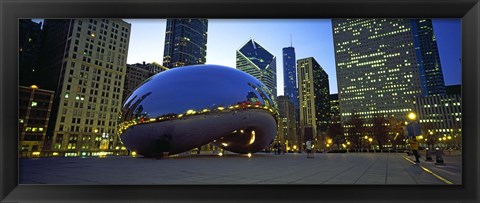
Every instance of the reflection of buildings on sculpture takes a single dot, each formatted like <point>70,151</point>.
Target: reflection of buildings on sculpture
<point>255,60</point>
<point>34,106</point>
<point>137,73</point>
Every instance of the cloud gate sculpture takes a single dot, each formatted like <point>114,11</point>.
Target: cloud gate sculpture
<point>184,108</point>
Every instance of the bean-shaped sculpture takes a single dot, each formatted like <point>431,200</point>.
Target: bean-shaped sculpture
<point>187,107</point>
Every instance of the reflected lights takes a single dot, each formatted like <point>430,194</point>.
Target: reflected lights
<point>252,139</point>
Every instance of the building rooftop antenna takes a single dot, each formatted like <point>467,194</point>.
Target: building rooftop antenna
<point>290,40</point>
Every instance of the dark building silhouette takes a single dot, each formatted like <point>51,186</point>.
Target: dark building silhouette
<point>185,42</point>
<point>30,42</point>
<point>454,89</point>
<point>334,108</point>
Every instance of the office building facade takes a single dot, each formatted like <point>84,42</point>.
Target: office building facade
<point>86,64</point>
<point>440,114</point>
<point>313,92</point>
<point>287,130</point>
<point>185,42</point>
<point>255,60</point>
<point>34,107</point>
<point>382,64</point>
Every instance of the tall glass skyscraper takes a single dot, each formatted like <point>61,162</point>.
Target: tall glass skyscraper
<point>290,75</point>
<point>255,60</point>
<point>185,42</point>
<point>428,60</point>
<point>382,64</point>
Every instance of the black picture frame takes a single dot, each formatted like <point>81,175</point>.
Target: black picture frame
<point>11,11</point>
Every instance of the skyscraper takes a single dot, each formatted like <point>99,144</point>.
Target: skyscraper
<point>85,62</point>
<point>255,60</point>
<point>428,60</point>
<point>30,41</point>
<point>382,64</point>
<point>185,42</point>
<point>287,132</point>
<point>290,75</point>
<point>313,92</point>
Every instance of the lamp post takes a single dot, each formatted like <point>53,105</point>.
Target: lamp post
<point>370,140</point>
<point>412,116</point>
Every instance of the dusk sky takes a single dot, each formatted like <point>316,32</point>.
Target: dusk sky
<point>309,38</point>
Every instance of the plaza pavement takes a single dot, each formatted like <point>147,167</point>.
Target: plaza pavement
<point>325,168</point>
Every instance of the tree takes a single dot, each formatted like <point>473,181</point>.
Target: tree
<point>355,129</point>
<point>397,133</point>
<point>336,131</point>
<point>431,136</point>
<point>379,129</point>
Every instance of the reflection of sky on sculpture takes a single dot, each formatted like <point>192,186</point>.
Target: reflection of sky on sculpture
<point>179,90</point>
<point>310,38</point>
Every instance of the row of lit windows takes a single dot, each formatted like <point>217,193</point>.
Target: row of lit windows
<point>33,129</point>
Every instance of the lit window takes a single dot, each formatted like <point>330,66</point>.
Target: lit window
<point>66,95</point>
<point>28,129</point>
<point>34,129</point>
<point>34,104</point>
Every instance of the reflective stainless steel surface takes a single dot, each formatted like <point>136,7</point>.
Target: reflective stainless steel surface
<point>184,108</point>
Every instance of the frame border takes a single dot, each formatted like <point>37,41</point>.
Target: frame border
<point>12,10</point>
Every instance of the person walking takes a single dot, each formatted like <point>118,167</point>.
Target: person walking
<point>414,148</point>
<point>308,146</point>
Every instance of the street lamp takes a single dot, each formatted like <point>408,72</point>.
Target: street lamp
<point>412,116</point>
<point>412,124</point>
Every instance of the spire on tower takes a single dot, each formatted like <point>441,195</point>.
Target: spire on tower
<point>290,40</point>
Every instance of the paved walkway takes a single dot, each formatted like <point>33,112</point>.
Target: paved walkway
<point>350,168</point>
